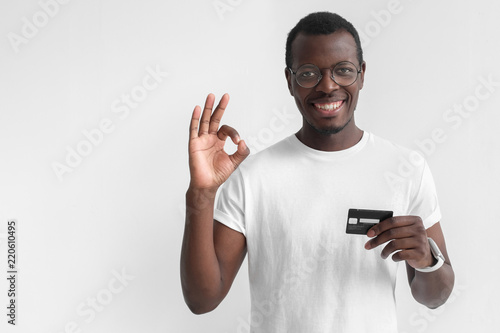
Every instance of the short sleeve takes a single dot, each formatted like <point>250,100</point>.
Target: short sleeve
<point>230,207</point>
<point>425,201</point>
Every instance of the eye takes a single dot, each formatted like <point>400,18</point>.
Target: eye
<point>344,71</point>
<point>307,75</point>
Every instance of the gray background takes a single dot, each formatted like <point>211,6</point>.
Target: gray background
<point>120,209</point>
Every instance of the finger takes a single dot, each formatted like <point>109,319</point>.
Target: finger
<point>394,233</point>
<point>409,254</point>
<point>207,113</point>
<point>226,131</point>
<point>195,120</point>
<point>217,115</point>
<point>397,245</point>
<point>392,222</point>
<point>240,154</point>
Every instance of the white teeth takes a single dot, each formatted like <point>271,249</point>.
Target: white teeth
<point>329,107</point>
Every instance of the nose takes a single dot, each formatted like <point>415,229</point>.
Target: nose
<point>326,84</point>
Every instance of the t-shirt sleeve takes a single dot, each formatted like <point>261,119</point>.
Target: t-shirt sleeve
<point>425,201</point>
<point>230,206</point>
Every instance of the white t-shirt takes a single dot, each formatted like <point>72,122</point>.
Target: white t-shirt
<point>291,203</point>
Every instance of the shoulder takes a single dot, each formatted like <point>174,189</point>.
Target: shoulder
<point>382,144</point>
<point>394,151</point>
<point>279,152</point>
<point>397,161</point>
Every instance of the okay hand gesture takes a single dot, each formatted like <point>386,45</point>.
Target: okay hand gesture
<point>210,166</point>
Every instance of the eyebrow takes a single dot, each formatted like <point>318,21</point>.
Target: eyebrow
<point>335,64</point>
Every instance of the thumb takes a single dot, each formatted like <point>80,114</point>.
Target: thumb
<point>240,154</point>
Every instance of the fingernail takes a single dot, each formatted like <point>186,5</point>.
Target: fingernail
<point>370,233</point>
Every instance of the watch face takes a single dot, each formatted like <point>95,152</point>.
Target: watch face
<point>434,248</point>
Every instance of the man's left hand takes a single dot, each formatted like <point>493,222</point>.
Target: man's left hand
<point>407,236</point>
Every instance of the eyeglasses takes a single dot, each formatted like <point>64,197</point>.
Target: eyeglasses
<point>344,74</point>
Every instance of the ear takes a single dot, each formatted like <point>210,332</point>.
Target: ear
<point>362,75</point>
<point>288,76</point>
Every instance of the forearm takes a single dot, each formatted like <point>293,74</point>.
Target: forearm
<point>200,271</point>
<point>433,289</point>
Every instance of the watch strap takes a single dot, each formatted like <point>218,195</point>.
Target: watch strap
<point>437,254</point>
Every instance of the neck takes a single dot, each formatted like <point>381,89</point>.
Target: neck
<point>344,139</point>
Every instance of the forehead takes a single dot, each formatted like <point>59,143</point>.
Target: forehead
<point>324,50</point>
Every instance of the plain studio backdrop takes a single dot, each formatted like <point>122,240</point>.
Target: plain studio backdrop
<point>96,98</point>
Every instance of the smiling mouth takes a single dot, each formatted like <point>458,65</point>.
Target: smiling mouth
<point>329,107</point>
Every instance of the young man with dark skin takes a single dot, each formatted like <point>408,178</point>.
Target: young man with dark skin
<point>337,280</point>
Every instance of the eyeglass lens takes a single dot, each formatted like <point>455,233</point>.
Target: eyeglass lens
<point>344,74</point>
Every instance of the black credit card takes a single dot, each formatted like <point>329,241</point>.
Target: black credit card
<point>359,221</point>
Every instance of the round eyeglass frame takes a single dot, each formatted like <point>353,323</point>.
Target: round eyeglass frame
<point>320,77</point>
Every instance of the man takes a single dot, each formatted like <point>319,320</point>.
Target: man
<point>288,205</point>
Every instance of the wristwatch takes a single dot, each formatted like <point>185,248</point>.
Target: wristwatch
<point>437,254</point>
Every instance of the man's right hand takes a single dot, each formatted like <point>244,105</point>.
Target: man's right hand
<point>211,253</point>
<point>210,166</point>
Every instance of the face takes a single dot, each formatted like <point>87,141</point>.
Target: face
<point>327,108</point>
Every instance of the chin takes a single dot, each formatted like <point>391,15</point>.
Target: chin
<point>329,130</point>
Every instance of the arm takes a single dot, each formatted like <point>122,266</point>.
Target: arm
<point>211,253</point>
<point>407,237</point>
<point>433,289</point>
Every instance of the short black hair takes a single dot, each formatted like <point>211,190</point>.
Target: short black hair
<point>321,23</point>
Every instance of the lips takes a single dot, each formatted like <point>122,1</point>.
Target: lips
<point>329,108</point>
